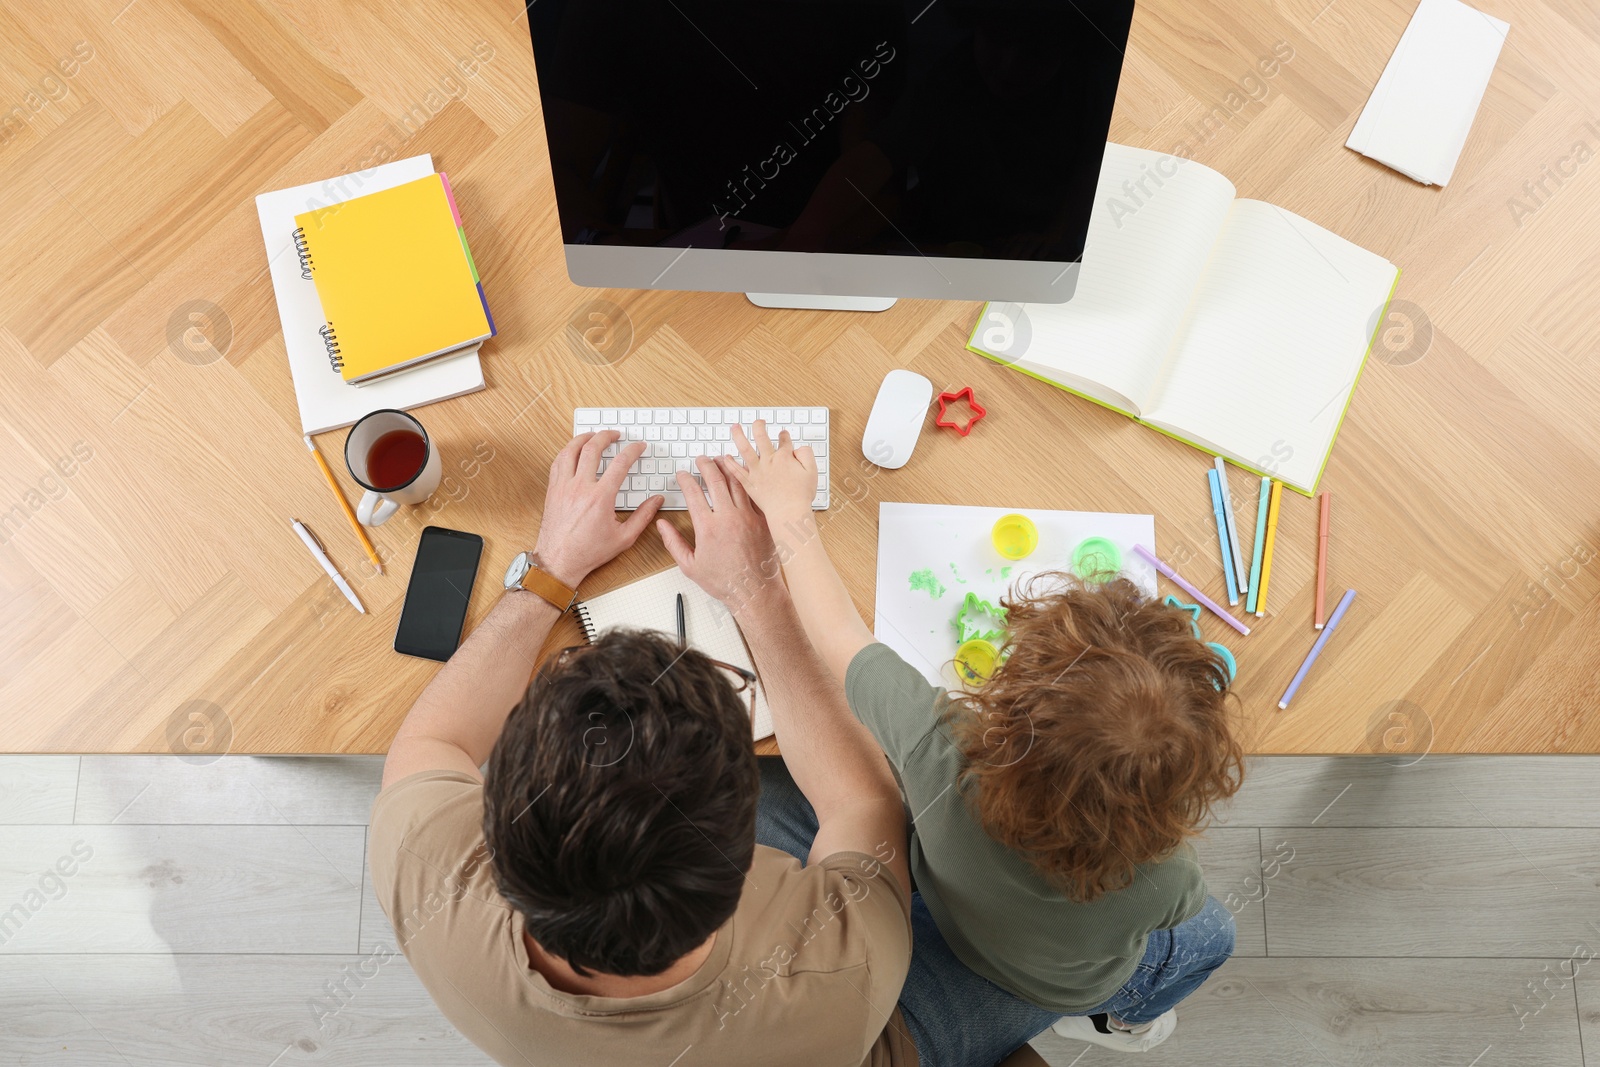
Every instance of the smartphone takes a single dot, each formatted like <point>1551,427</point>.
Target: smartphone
<point>437,595</point>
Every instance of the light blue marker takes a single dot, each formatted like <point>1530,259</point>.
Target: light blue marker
<point>1261,538</point>
<point>1222,535</point>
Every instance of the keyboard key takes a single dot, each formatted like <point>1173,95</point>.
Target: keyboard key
<point>661,416</point>
<point>647,466</point>
<point>822,467</point>
<point>818,448</point>
<point>815,433</point>
<point>765,415</point>
<point>633,433</point>
<point>608,417</point>
<point>697,449</point>
<point>625,417</point>
<point>669,433</point>
<point>586,417</point>
<point>679,415</point>
<point>610,450</point>
<point>819,414</point>
<point>679,448</point>
<point>652,433</point>
<point>801,415</point>
<point>747,416</point>
<point>820,500</point>
<point>660,448</point>
<point>706,433</point>
<point>724,434</point>
<point>622,501</point>
<point>785,415</point>
<point>636,499</point>
<point>657,483</point>
<point>638,482</point>
<point>674,500</point>
<point>697,416</point>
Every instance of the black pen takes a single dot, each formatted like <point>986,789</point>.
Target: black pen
<point>683,632</point>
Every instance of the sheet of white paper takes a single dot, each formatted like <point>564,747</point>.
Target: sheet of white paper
<point>1418,116</point>
<point>326,401</point>
<point>952,542</point>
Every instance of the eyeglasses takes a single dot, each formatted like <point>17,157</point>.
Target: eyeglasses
<point>744,681</point>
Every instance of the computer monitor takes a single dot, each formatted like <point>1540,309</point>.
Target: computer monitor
<point>812,150</point>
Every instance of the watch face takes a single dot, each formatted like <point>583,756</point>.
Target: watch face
<point>519,567</point>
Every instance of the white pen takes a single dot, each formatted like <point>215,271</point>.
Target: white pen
<point>327,564</point>
<point>1233,529</point>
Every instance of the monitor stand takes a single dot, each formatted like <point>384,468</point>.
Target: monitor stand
<point>807,302</point>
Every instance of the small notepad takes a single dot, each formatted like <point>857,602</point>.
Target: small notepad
<point>652,604</point>
<point>1420,112</point>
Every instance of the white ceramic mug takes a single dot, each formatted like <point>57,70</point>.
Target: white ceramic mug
<point>379,503</point>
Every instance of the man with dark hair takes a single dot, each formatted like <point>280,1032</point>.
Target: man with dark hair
<point>599,897</point>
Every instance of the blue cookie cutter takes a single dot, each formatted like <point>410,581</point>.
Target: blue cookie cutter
<point>1222,650</point>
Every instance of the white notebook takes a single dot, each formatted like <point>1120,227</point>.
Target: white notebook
<point>326,402</point>
<point>1418,116</point>
<point>1231,324</point>
<point>652,604</point>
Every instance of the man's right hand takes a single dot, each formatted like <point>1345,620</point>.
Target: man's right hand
<point>733,557</point>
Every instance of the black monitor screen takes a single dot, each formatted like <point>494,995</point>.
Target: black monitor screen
<point>960,128</point>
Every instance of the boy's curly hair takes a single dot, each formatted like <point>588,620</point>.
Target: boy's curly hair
<point>1103,739</point>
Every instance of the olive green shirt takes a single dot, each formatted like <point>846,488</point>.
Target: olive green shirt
<point>997,914</point>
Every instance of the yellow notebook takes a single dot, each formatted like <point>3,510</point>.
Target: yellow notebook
<point>395,277</point>
<point>1227,323</point>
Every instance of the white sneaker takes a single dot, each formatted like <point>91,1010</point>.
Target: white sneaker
<point>1082,1028</point>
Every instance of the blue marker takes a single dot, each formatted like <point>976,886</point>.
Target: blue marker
<point>1222,535</point>
<point>1260,543</point>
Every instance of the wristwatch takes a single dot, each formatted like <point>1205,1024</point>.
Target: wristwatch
<point>526,573</point>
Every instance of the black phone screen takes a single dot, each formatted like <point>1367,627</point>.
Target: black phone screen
<point>436,598</point>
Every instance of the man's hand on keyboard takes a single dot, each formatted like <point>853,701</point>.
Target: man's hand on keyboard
<point>579,530</point>
<point>780,478</point>
<point>733,557</point>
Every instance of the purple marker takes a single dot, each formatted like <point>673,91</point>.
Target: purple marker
<point>1201,598</point>
<point>1316,649</point>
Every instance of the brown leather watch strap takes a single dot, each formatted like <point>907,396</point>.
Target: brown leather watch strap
<point>549,588</point>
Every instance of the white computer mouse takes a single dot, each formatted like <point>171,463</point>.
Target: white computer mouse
<point>896,419</point>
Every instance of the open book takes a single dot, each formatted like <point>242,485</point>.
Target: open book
<point>652,604</point>
<point>1231,324</point>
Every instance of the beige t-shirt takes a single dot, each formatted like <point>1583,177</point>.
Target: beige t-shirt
<point>806,973</point>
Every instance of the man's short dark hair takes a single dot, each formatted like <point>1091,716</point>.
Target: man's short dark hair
<point>620,804</point>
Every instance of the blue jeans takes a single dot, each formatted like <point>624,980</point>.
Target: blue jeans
<point>958,1018</point>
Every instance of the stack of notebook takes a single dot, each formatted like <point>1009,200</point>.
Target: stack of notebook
<point>395,278</point>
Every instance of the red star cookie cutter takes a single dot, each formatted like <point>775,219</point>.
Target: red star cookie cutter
<point>964,393</point>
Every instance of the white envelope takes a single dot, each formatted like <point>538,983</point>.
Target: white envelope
<point>1418,116</point>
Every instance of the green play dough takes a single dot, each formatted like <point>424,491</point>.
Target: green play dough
<point>926,581</point>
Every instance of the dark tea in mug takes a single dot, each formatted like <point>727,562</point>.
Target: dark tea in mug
<point>395,458</point>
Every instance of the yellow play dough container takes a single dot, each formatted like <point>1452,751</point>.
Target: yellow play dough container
<point>975,660</point>
<point>1014,536</point>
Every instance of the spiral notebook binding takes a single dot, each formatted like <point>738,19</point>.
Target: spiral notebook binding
<point>331,341</point>
<point>303,250</point>
<point>582,612</point>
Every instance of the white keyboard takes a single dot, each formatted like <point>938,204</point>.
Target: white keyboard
<point>676,436</point>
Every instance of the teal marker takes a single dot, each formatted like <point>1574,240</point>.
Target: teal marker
<point>1261,539</point>
<point>1222,535</point>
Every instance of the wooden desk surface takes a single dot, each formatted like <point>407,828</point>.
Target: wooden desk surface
<point>151,586</point>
